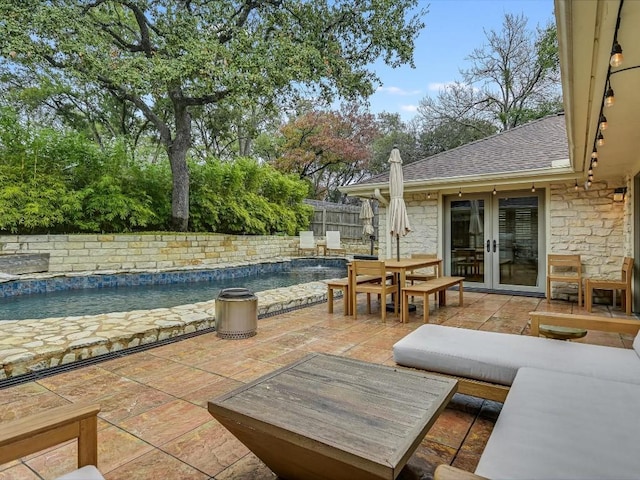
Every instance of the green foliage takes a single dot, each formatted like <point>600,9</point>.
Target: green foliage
<point>244,197</point>
<point>166,59</point>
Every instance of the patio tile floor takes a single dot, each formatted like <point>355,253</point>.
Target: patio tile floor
<point>154,422</point>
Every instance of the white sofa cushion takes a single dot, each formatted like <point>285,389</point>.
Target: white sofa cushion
<point>559,425</point>
<point>85,473</point>
<point>496,357</point>
<point>636,344</point>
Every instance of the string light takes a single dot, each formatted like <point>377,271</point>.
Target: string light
<point>495,192</point>
<point>603,123</point>
<point>590,172</point>
<point>616,55</point>
<point>609,97</point>
<point>600,141</point>
<point>594,163</point>
<point>589,183</point>
<point>576,187</point>
<point>460,192</point>
<point>428,195</point>
<point>533,187</point>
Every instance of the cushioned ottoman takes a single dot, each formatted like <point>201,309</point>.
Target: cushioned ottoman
<point>496,357</point>
<point>560,425</point>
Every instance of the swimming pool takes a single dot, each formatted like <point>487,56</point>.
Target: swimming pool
<point>96,294</point>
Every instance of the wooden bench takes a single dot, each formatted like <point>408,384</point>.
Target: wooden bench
<point>439,285</point>
<point>343,285</point>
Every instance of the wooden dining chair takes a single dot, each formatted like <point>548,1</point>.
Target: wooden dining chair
<point>624,285</point>
<point>564,268</point>
<point>383,288</point>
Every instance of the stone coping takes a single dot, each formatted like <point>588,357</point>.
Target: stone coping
<point>27,346</point>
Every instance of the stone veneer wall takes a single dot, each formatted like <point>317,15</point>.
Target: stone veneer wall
<point>75,253</point>
<point>590,223</point>
<point>423,218</point>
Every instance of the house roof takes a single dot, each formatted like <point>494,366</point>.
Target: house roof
<point>533,146</point>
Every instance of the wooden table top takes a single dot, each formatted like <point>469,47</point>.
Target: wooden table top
<point>340,407</point>
<point>410,263</point>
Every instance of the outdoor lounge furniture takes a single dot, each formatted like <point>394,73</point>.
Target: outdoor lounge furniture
<point>561,425</point>
<point>307,243</point>
<point>486,363</point>
<point>25,436</point>
<point>564,268</point>
<point>572,410</point>
<point>333,243</point>
<point>624,285</point>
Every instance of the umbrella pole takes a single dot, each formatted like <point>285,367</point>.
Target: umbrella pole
<point>398,247</point>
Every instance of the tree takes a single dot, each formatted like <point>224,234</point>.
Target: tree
<point>513,79</point>
<point>394,133</point>
<point>167,57</point>
<point>327,148</point>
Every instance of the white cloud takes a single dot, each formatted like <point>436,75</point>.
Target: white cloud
<point>409,108</point>
<point>397,91</point>
<point>437,86</point>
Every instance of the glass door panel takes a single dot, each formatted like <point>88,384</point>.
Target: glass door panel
<point>517,261</point>
<point>466,248</point>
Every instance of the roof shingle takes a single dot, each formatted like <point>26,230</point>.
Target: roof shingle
<point>531,146</point>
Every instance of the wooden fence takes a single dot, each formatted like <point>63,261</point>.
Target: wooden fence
<point>336,216</point>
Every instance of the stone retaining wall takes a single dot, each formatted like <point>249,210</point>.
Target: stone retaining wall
<point>79,253</point>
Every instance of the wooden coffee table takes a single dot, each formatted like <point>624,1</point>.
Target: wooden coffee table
<point>328,417</point>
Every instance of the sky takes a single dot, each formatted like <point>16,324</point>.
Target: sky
<point>453,29</point>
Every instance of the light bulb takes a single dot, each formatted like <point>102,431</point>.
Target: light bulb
<point>428,195</point>
<point>460,192</point>
<point>616,55</point>
<point>495,192</point>
<point>603,123</point>
<point>533,187</point>
<point>590,172</point>
<point>594,164</point>
<point>600,141</point>
<point>589,183</point>
<point>576,185</point>
<point>609,98</point>
<point>594,154</point>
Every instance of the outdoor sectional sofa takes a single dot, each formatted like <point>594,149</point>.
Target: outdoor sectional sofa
<point>572,409</point>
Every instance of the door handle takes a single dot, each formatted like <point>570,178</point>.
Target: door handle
<point>488,246</point>
<point>495,244</point>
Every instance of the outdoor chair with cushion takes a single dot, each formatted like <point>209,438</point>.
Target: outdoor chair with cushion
<point>564,268</point>
<point>383,288</point>
<point>307,243</point>
<point>624,285</point>
<point>31,434</point>
<point>333,242</point>
<point>487,362</point>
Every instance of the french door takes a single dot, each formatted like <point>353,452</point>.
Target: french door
<point>495,241</point>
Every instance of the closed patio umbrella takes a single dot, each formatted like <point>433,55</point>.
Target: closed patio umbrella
<point>399,220</point>
<point>366,215</point>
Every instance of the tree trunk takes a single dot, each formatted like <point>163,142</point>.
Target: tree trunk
<point>177,152</point>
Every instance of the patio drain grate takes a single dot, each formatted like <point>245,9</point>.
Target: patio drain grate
<point>47,372</point>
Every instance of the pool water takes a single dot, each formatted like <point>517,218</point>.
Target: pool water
<point>94,301</point>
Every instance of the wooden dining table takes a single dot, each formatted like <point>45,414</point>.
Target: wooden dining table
<point>398,267</point>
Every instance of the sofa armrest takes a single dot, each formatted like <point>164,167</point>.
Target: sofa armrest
<point>34,433</point>
<point>447,472</point>
<point>588,322</point>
